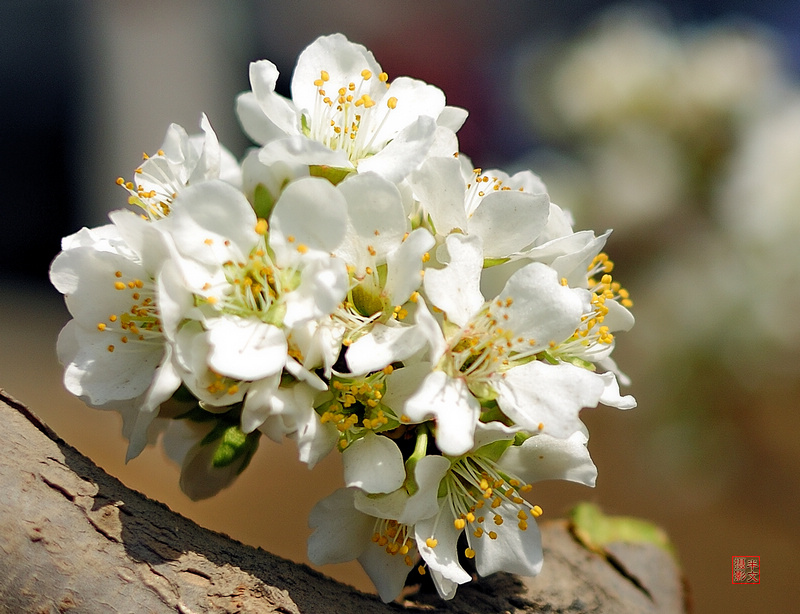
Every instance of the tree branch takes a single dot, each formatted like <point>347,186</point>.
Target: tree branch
<point>75,539</point>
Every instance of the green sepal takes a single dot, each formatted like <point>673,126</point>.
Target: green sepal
<point>490,262</point>
<point>493,451</point>
<point>420,450</point>
<point>263,201</point>
<point>334,174</point>
<point>233,444</point>
<point>521,437</point>
<point>547,356</point>
<point>580,362</point>
<point>595,530</point>
<point>483,391</point>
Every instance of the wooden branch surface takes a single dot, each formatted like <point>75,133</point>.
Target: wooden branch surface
<point>74,539</point>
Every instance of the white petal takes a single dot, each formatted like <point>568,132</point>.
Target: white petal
<point>245,348</point>
<point>310,212</point>
<point>439,186</point>
<point>455,289</point>
<point>514,551</point>
<point>212,223</point>
<point>541,309</point>
<point>450,402</point>
<point>341,59</point>
<point>452,118</point>
<point>323,286</point>
<point>384,345</point>
<point>299,149</point>
<point>377,220</point>
<point>551,396</point>
<point>101,377</point>
<point>405,509</point>
<point>341,533</point>
<point>443,557</point>
<point>388,572</point>
<point>404,274</point>
<point>611,395</point>
<point>509,221</point>
<point>543,457</point>
<point>374,464</point>
<point>280,112</point>
<point>404,153</point>
<point>259,402</point>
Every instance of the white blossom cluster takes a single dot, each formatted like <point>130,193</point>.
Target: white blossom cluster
<point>353,284</point>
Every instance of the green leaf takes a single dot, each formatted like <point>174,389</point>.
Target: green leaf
<point>595,530</point>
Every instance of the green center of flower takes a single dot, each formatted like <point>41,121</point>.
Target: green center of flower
<point>356,406</point>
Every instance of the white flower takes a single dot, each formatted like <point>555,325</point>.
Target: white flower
<point>181,161</point>
<point>482,498</point>
<point>377,531</point>
<point>484,341</point>
<point>344,113</point>
<point>507,213</point>
<point>114,351</point>
<point>385,258</point>
<point>250,288</point>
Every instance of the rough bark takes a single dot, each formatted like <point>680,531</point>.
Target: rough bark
<point>73,538</point>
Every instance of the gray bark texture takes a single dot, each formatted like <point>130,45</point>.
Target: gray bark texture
<point>74,539</point>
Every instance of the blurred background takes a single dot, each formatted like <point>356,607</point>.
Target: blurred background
<point>677,124</point>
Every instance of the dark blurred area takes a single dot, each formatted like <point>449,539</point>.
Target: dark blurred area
<point>705,204</point>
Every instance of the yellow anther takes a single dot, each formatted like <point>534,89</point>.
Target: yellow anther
<point>262,226</point>
<point>112,318</point>
<point>498,519</point>
<point>119,285</point>
<point>523,525</point>
<point>383,77</point>
<point>459,523</point>
<point>101,326</point>
<point>110,348</point>
<point>392,103</point>
<point>469,553</point>
<point>421,570</point>
<point>522,515</point>
<point>366,74</point>
<point>323,74</point>
<point>536,511</point>
<point>303,249</point>
<point>431,542</point>
<point>492,535</point>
